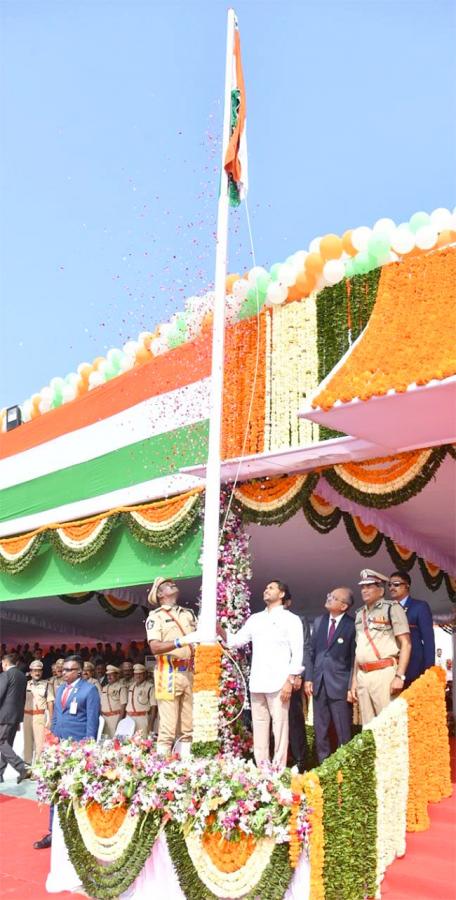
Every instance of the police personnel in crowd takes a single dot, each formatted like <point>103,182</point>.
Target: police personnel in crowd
<point>88,674</point>
<point>126,673</point>
<point>39,706</point>
<point>382,647</point>
<point>57,678</point>
<point>141,702</point>
<point>419,617</point>
<point>166,628</point>
<point>113,701</point>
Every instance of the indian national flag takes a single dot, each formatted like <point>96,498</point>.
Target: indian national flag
<point>236,154</point>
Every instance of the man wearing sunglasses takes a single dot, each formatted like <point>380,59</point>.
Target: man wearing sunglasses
<point>76,716</point>
<point>419,617</point>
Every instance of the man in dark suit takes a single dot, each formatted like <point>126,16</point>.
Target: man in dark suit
<point>76,716</point>
<point>13,684</point>
<point>328,676</point>
<point>419,617</point>
<point>298,749</point>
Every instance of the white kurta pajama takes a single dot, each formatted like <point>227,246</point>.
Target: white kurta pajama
<point>277,649</point>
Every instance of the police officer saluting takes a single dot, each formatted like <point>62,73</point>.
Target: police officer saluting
<point>382,647</point>
<point>166,629</point>
<point>39,705</point>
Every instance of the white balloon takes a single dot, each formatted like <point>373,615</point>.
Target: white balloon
<point>47,394</point>
<point>299,259</point>
<point>441,219</point>
<point>333,271</point>
<point>314,246</point>
<point>453,222</point>
<point>426,237</point>
<point>82,366</point>
<point>360,237</point>
<point>68,393</point>
<point>131,347</point>
<point>44,404</point>
<point>26,409</point>
<point>158,346</point>
<point>384,227</point>
<point>276,294</point>
<point>254,274</point>
<point>321,283</point>
<point>287,275</point>
<point>232,307</point>
<point>56,382</point>
<point>240,289</point>
<point>144,336</point>
<point>402,241</point>
<point>72,379</point>
<point>95,379</point>
<point>102,366</point>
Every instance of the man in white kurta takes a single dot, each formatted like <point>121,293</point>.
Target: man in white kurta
<point>276,636</point>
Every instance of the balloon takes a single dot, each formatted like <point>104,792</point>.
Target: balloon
<point>84,370</point>
<point>72,379</point>
<point>46,394</point>
<point>132,346</point>
<point>68,393</point>
<point>331,246</point>
<point>36,400</point>
<point>262,284</point>
<point>298,259</point>
<point>418,220</point>
<point>274,271</point>
<point>362,263</point>
<point>114,357</point>
<point>143,354</point>
<point>240,288</point>
<point>95,379</point>
<point>360,237</point>
<point>287,275</point>
<point>333,271</point>
<point>378,247</point>
<point>426,237</point>
<point>384,227</point>
<point>349,268</point>
<point>441,219</point>
<point>314,246</point>
<point>305,283</point>
<point>277,294</point>
<point>145,338</point>
<point>97,361</point>
<point>402,241</point>
<point>26,409</point>
<point>347,242</point>
<point>45,405</point>
<point>230,280</point>
<point>57,385</point>
<point>444,238</point>
<point>314,264</point>
<point>248,308</point>
<point>255,273</point>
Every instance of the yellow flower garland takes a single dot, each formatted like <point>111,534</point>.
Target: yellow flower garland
<point>229,884</point>
<point>107,849</point>
<point>314,795</point>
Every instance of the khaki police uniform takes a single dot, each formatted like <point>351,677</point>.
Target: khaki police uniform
<point>39,697</point>
<point>377,653</point>
<point>173,675</point>
<point>142,706</point>
<point>113,700</point>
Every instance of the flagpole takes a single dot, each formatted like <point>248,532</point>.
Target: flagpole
<point>208,613</point>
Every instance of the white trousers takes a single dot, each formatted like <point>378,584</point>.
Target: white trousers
<point>267,708</point>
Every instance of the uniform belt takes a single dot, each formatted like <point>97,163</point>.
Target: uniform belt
<point>378,664</point>
<point>182,665</point>
<point>114,712</point>
<point>137,712</point>
<point>34,712</point>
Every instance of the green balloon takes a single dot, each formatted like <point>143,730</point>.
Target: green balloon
<point>378,246</point>
<point>249,308</point>
<point>361,263</point>
<point>111,371</point>
<point>262,284</point>
<point>274,271</point>
<point>349,268</point>
<point>418,220</point>
<point>181,325</point>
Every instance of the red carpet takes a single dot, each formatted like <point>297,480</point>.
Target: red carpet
<point>428,869</point>
<point>23,870</point>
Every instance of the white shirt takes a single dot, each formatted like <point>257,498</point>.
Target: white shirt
<point>336,619</point>
<point>277,648</point>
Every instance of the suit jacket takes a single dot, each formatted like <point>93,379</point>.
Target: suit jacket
<point>419,617</point>
<point>84,722</point>
<point>334,664</point>
<point>13,684</point>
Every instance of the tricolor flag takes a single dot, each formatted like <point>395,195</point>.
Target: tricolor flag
<point>236,154</point>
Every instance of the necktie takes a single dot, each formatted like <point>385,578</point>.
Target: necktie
<point>332,631</point>
<point>65,695</point>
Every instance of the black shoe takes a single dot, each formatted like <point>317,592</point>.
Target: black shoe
<point>23,775</point>
<point>45,842</point>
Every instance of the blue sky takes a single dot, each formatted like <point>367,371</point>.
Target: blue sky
<point>111,117</point>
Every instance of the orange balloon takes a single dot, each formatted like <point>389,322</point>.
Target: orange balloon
<point>444,238</point>
<point>147,339</point>
<point>331,246</point>
<point>85,371</point>
<point>230,281</point>
<point>36,400</point>
<point>142,356</point>
<point>305,283</point>
<point>314,264</point>
<point>294,293</point>
<point>82,385</point>
<point>347,244</point>
<point>97,361</point>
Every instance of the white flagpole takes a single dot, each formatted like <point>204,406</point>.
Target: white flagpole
<point>208,614</point>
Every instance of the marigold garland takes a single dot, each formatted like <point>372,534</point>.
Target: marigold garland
<point>426,284</point>
<point>105,822</point>
<point>314,795</point>
<point>208,668</point>
<point>243,418</point>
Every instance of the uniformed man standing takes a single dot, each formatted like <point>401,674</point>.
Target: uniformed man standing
<point>113,701</point>
<point>141,702</point>
<point>88,674</point>
<point>39,706</point>
<point>126,674</point>
<point>382,647</point>
<point>57,678</point>
<point>165,627</point>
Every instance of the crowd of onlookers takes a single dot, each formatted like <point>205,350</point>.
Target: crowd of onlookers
<point>100,654</point>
